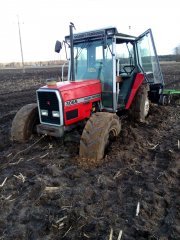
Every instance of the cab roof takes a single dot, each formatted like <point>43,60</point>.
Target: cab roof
<point>101,33</point>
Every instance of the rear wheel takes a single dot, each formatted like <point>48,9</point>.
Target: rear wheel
<point>24,122</point>
<point>140,105</point>
<point>99,130</point>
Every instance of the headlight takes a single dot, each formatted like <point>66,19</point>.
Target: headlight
<point>55,114</point>
<point>44,113</point>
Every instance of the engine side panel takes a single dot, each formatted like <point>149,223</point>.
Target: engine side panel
<point>78,102</point>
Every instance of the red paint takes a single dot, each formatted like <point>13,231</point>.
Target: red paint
<point>75,90</point>
<point>84,111</point>
<point>137,83</point>
<point>78,90</point>
<point>70,86</point>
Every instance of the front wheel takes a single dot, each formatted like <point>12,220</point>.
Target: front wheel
<point>24,122</point>
<point>100,129</point>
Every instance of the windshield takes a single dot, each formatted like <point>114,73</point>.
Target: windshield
<point>90,60</point>
<point>125,57</point>
<point>93,61</point>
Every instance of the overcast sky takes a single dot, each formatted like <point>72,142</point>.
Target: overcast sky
<point>45,21</point>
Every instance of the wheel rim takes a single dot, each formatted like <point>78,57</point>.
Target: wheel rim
<point>146,107</point>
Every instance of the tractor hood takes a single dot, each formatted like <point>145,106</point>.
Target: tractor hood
<point>75,89</point>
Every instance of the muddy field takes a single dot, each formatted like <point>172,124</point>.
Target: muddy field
<point>45,194</point>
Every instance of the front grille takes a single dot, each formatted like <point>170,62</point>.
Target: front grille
<point>49,102</point>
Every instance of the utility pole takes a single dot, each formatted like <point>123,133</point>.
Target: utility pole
<point>20,41</point>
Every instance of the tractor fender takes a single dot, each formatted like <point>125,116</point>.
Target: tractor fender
<point>137,83</point>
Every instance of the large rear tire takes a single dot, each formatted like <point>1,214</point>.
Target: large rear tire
<point>140,106</point>
<point>24,122</point>
<point>99,130</point>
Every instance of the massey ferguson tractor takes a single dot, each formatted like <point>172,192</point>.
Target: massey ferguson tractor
<point>109,73</point>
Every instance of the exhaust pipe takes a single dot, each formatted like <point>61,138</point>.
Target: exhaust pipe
<point>71,26</point>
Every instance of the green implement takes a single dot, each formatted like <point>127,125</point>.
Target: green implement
<point>171,91</point>
<point>167,95</point>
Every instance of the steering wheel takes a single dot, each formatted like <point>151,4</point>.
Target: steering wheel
<point>128,69</point>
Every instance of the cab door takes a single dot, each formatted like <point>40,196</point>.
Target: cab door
<point>148,59</point>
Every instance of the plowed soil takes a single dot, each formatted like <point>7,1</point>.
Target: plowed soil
<point>45,194</point>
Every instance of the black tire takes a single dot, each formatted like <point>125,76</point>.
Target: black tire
<point>140,106</point>
<point>24,122</point>
<point>165,100</point>
<point>99,129</point>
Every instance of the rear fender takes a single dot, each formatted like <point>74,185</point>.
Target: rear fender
<point>137,83</point>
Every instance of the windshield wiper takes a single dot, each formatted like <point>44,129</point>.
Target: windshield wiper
<point>110,50</point>
<point>86,45</point>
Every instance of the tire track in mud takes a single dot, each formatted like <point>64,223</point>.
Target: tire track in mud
<point>16,100</point>
<point>10,103</point>
<point>164,167</point>
<point>151,176</point>
<point>90,201</point>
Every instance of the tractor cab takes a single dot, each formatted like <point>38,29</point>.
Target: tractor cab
<point>115,59</point>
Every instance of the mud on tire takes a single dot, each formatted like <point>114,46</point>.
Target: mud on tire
<point>140,105</point>
<point>24,122</point>
<point>99,129</point>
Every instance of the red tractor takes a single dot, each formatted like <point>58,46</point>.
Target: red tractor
<point>109,73</point>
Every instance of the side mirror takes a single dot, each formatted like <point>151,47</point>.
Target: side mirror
<point>58,46</point>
